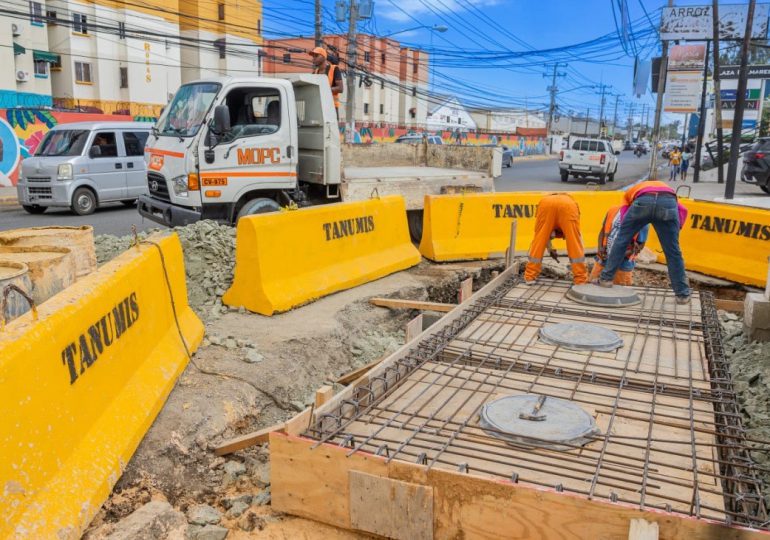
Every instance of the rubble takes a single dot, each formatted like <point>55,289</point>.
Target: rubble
<point>154,520</point>
<point>203,514</point>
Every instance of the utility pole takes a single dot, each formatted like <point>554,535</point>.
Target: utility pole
<point>702,118</point>
<point>552,109</point>
<point>588,115</point>
<point>717,93</point>
<point>740,102</point>
<point>318,24</point>
<point>603,88</point>
<point>615,115</point>
<point>653,174</point>
<point>350,104</point>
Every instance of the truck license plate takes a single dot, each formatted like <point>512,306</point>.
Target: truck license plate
<point>581,167</point>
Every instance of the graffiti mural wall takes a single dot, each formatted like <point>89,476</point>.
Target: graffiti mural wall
<point>21,131</point>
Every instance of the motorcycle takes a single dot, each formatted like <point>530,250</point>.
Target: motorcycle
<point>639,151</point>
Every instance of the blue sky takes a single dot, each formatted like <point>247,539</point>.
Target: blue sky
<point>485,56</point>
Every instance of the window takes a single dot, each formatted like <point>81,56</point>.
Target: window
<point>221,12</point>
<point>383,57</point>
<point>382,83</point>
<point>593,146</point>
<point>366,108</point>
<point>414,91</point>
<point>188,109</point>
<point>412,113</point>
<point>63,142</point>
<point>56,66</point>
<point>221,46</point>
<point>124,77</point>
<point>134,142</point>
<point>121,30</point>
<point>36,13</point>
<point>79,23</point>
<point>287,58</point>
<point>105,142</point>
<point>253,112</point>
<point>259,27</point>
<point>41,69</point>
<point>51,16</point>
<point>415,66</point>
<point>83,72</point>
<point>382,108</point>
<point>367,56</point>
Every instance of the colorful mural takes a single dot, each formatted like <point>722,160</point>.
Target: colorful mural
<point>22,130</point>
<point>521,145</point>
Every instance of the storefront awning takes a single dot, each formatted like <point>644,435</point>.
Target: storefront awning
<point>46,56</point>
<point>18,49</point>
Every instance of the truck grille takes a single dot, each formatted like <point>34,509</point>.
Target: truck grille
<point>40,192</point>
<point>38,179</point>
<point>157,186</point>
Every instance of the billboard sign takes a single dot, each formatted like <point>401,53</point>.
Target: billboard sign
<point>732,95</point>
<point>754,72</point>
<point>683,90</point>
<point>686,57</point>
<point>695,22</point>
<point>748,105</point>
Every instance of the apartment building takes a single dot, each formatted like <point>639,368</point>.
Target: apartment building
<point>392,82</point>
<point>126,56</point>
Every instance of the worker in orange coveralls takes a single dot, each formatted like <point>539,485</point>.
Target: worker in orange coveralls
<point>607,235</point>
<point>558,216</point>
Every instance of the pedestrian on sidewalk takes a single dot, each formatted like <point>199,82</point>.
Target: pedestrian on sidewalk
<point>651,203</point>
<point>558,216</point>
<point>674,161</point>
<point>607,236</point>
<point>686,157</point>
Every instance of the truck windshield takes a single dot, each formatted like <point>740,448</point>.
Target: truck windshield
<point>63,142</point>
<point>189,108</point>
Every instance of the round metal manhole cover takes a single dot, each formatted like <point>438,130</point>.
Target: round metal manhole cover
<point>594,295</point>
<point>581,337</point>
<point>557,424</point>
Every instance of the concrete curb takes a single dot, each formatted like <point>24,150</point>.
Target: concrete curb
<point>538,157</point>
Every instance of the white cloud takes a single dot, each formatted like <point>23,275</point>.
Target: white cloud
<point>417,8</point>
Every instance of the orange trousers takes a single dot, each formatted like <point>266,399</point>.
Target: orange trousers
<point>557,211</point>
<point>622,277</point>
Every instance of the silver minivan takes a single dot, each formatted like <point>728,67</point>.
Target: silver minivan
<point>85,164</point>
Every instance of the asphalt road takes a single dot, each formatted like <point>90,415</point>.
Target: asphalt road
<point>540,175</point>
<point>525,175</point>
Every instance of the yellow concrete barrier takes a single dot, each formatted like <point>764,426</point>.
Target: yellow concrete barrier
<point>82,384</point>
<point>478,225</point>
<point>286,259</point>
<point>724,240</point>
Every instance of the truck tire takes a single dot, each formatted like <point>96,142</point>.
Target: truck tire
<point>257,206</point>
<point>611,177</point>
<point>83,202</point>
<point>602,179</point>
<point>564,176</point>
<point>414,219</point>
<point>766,189</point>
<point>34,208</point>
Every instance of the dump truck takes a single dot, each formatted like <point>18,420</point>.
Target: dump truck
<point>229,147</point>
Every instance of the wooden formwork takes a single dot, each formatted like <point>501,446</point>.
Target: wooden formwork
<point>401,454</point>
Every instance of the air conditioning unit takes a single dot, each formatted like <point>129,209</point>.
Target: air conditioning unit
<point>16,29</point>
<point>22,76</point>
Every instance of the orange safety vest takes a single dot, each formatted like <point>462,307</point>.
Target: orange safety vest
<point>604,234</point>
<point>659,186</point>
<point>336,97</point>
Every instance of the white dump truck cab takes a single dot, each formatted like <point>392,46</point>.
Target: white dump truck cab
<point>227,147</point>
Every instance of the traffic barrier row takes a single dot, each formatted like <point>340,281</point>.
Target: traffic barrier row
<point>287,259</point>
<point>478,225</point>
<point>83,382</point>
<point>724,240</point>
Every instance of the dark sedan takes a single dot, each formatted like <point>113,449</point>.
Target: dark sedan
<point>756,165</point>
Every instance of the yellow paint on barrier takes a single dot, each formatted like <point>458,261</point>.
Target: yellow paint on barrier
<point>286,259</point>
<point>82,384</point>
<point>478,225</point>
<point>724,240</point>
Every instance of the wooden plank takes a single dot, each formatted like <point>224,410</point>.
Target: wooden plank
<point>323,394</point>
<point>414,328</point>
<point>466,290</point>
<point>510,253</point>
<point>299,423</point>
<point>642,530</point>
<point>314,483</point>
<point>729,305</point>
<point>250,439</point>
<point>352,376</point>
<point>390,508</point>
<point>398,303</point>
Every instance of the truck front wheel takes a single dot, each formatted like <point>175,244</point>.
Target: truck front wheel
<point>257,206</point>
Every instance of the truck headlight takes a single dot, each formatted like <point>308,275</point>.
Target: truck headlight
<point>64,172</point>
<point>180,186</point>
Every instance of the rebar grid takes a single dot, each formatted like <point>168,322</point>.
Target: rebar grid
<point>671,435</point>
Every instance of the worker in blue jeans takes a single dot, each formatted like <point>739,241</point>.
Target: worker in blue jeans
<point>652,203</point>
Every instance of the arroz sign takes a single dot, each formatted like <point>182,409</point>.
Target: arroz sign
<point>696,22</point>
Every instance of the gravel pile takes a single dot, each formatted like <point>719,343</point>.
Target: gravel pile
<point>209,256</point>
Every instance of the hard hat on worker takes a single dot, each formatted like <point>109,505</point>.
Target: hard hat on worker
<point>319,51</point>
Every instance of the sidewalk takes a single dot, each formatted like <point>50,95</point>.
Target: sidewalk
<point>8,196</point>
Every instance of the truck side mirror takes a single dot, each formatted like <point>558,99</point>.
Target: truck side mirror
<point>221,119</point>
<point>94,152</point>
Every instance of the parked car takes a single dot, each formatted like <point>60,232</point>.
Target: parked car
<point>756,165</point>
<point>589,157</point>
<point>417,138</point>
<point>83,165</point>
<point>507,154</point>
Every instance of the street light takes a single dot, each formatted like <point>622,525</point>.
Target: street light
<point>435,28</point>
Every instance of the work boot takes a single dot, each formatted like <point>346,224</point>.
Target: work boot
<point>530,282</point>
<point>683,300</point>
<point>605,284</point>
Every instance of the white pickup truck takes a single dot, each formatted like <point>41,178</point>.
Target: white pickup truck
<point>589,157</point>
<point>229,147</point>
